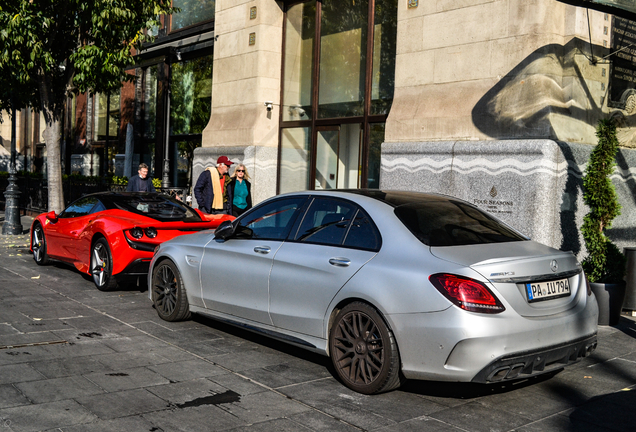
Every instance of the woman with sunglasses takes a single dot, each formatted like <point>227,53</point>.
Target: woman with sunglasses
<point>242,191</point>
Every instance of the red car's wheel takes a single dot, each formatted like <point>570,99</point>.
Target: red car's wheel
<point>102,266</point>
<point>363,350</point>
<point>38,244</point>
<point>168,293</point>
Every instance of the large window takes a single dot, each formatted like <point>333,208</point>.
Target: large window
<point>107,116</point>
<point>190,110</point>
<point>192,12</point>
<point>338,83</point>
<point>343,49</point>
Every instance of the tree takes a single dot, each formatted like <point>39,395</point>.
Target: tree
<point>604,263</point>
<point>70,46</point>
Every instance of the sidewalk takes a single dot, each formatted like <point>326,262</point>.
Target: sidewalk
<point>75,359</point>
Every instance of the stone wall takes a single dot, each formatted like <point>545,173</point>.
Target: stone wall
<point>533,185</point>
<point>247,72</point>
<point>502,69</point>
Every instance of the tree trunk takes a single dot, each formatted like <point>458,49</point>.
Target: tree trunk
<point>52,137</point>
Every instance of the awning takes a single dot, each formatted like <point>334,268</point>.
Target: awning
<point>621,8</point>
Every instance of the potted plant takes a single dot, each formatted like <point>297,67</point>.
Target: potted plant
<point>605,263</point>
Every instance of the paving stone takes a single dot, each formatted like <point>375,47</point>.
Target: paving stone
<point>58,389</point>
<point>614,411</point>
<point>63,367</point>
<point>280,425</point>
<point>127,360</point>
<point>126,379</point>
<point>320,422</point>
<point>10,396</point>
<point>134,343</point>
<point>476,417</point>
<point>254,408</point>
<point>561,423</point>
<point>39,417</point>
<point>238,384</point>
<point>18,373</point>
<point>203,418</point>
<point>8,329</point>
<point>122,404</point>
<point>422,424</point>
<point>126,424</point>
<point>187,391</point>
<point>187,370</point>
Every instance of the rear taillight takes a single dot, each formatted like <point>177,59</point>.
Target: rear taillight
<point>467,293</point>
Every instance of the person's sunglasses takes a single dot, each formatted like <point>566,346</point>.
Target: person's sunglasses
<point>240,170</point>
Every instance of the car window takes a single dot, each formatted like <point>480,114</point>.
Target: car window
<point>81,207</point>
<point>326,222</point>
<point>453,223</point>
<point>271,221</point>
<point>363,234</point>
<point>160,207</point>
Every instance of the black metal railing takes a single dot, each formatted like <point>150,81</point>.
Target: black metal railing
<point>34,192</point>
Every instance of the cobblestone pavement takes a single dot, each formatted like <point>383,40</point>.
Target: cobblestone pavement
<point>73,358</point>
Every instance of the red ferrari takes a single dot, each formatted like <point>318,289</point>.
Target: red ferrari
<point>112,235</point>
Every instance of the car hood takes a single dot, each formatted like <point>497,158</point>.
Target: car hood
<point>508,266</point>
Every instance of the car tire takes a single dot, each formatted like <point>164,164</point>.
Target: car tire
<point>102,266</point>
<point>168,292</point>
<point>363,350</point>
<point>38,245</point>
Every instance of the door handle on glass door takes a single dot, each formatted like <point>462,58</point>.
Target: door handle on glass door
<point>262,249</point>
<point>340,262</point>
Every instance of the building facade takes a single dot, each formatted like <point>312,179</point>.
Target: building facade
<point>492,101</point>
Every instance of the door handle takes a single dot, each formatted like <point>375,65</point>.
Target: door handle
<point>262,249</point>
<point>73,232</point>
<point>339,262</point>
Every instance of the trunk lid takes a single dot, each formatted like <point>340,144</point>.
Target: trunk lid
<point>516,268</point>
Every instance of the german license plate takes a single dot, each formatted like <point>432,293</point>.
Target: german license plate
<point>538,291</point>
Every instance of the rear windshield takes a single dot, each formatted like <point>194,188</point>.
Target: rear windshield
<point>160,207</point>
<point>453,223</point>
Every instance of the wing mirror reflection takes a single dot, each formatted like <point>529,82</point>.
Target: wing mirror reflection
<point>224,230</point>
<point>51,216</point>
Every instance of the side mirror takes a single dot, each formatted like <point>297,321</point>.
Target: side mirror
<point>224,230</point>
<point>51,216</point>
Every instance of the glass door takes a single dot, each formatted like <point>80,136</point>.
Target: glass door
<point>338,156</point>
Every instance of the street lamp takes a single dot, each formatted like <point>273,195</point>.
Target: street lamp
<point>12,224</point>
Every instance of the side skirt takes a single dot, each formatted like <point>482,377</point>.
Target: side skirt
<point>316,345</point>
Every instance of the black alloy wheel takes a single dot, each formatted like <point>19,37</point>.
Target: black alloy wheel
<point>38,244</point>
<point>102,266</point>
<point>363,350</point>
<point>168,293</point>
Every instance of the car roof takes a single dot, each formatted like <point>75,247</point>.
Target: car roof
<point>393,198</point>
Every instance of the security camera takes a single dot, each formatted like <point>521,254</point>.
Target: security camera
<point>269,105</point>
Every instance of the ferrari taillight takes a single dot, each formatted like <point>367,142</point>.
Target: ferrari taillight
<point>151,232</point>
<point>469,294</point>
<point>137,232</point>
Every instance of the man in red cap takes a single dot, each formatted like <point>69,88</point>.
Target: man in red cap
<point>212,192</point>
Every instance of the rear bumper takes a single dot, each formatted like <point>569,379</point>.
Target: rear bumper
<point>536,362</point>
<point>138,267</point>
<point>455,345</point>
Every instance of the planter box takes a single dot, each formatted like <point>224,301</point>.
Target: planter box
<point>610,299</point>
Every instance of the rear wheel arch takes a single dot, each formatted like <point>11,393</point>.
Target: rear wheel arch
<point>345,302</point>
<point>363,348</point>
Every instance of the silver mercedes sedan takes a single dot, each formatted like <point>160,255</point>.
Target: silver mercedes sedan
<point>390,285</point>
